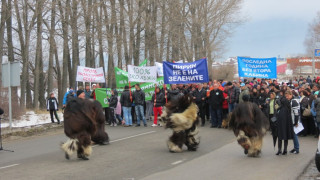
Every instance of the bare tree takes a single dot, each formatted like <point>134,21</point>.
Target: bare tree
<point>2,29</point>
<point>312,40</point>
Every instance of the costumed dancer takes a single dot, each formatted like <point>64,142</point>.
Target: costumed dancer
<point>181,116</point>
<point>249,125</point>
<point>83,121</point>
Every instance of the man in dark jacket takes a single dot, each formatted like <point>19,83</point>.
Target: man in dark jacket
<point>199,97</point>
<point>215,99</point>
<point>52,106</point>
<point>126,103</point>
<point>87,92</point>
<point>233,96</point>
<point>173,93</point>
<point>139,99</point>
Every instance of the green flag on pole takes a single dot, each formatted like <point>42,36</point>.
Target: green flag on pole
<point>143,62</point>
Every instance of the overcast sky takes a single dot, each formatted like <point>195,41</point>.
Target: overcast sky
<point>273,28</point>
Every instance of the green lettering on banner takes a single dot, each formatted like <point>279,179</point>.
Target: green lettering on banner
<point>102,94</point>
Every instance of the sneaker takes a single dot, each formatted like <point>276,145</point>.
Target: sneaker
<point>145,125</point>
<point>154,125</point>
<point>115,124</point>
<point>160,125</point>
<point>111,125</point>
<point>138,125</point>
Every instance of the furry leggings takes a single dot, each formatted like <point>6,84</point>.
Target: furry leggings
<point>186,137</point>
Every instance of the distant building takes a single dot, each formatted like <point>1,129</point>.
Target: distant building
<point>303,65</point>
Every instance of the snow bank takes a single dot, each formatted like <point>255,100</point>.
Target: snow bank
<point>31,119</point>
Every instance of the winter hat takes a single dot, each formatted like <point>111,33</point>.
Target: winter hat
<point>79,92</point>
<point>316,93</point>
<point>223,84</point>
<point>229,83</point>
<point>70,91</point>
<point>242,84</point>
<point>245,98</point>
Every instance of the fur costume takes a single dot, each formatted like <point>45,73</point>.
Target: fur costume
<point>182,117</point>
<point>83,121</point>
<point>249,125</point>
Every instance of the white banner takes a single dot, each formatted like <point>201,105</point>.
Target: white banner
<point>159,69</point>
<point>142,74</point>
<point>90,74</point>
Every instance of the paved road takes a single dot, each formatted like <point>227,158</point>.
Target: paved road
<point>134,153</point>
<point>141,153</point>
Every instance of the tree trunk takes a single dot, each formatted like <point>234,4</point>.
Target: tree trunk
<point>136,53</point>
<point>124,34</point>
<point>38,59</point>
<point>75,42</point>
<point>2,28</point>
<point>163,30</point>
<point>58,73</point>
<point>66,53</point>
<point>87,10</point>
<point>51,48</point>
<point>100,38</point>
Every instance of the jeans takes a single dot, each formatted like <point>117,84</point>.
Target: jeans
<point>216,119</point>
<point>118,116</point>
<point>127,115</point>
<point>140,114</point>
<point>295,142</point>
<point>231,107</point>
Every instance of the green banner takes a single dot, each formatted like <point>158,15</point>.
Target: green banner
<point>122,76</point>
<point>102,94</point>
<point>143,63</point>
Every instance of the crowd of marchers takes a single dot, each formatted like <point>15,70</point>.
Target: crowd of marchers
<point>285,104</point>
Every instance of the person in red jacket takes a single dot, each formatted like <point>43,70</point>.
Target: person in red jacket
<point>225,105</point>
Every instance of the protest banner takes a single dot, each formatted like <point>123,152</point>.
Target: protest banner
<point>257,67</point>
<point>102,94</point>
<point>184,73</point>
<point>85,74</point>
<point>159,68</point>
<point>122,76</point>
<point>142,74</point>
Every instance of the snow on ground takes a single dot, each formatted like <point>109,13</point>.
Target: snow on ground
<point>31,119</point>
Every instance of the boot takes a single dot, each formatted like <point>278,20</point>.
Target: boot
<point>279,147</point>
<point>317,133</point>
<point>285,147</point>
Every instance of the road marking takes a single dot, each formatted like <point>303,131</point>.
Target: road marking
<point>129,137</point>
<point>177,162</point>
<point>9,166</point>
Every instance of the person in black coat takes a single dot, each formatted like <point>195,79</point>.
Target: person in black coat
<point>173,93</point>
<point>139,100</point>
<point>254,96</point>
<point>1,111</point>
<point>52,106</point>
<point>199,96</point>
<point>284,125</point>
<point>126,103</point>
<point>113,101</point>
<point>306,121</point>
<point>215,100</point>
